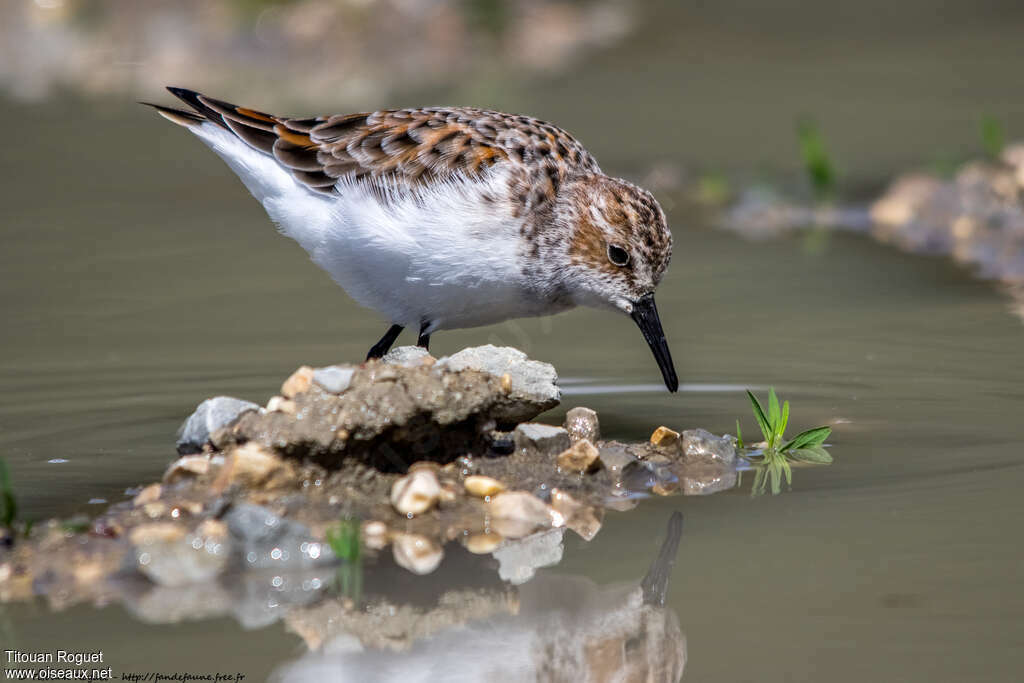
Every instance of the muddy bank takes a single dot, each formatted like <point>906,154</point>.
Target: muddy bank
<point>976,217</point>
<point>411,457</point>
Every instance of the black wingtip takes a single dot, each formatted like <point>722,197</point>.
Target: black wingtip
<point>192,99</point>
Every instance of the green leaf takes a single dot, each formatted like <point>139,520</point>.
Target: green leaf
<point>788,472</point>
<point>773,410</point>
<point>8,503</point>
<point>812,437</point>
<point>8,510</point>
<point>760,482</point>
<point>759,415</point>
<point>812,454</point>
<point>739,435</point>
<point>783,421</point>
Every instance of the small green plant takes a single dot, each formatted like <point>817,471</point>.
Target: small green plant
<point>8,503</point>
<point>713,189</point>
<point>774,458</point>
<point>345,541</point>
<point>817,163</point>
<point>993,138</point>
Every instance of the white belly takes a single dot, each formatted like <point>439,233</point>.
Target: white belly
<point>442,255</point>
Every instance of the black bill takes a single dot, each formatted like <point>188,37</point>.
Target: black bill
<point>645,315</point>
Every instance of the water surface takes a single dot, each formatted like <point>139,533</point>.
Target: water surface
<point>137,277</point>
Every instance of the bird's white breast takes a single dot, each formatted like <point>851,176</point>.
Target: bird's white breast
<point>442,253</point>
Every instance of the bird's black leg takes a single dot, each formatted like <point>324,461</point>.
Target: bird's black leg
<point>424,338</point>
<point>382,347</point>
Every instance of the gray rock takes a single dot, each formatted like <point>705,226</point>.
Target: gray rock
<point>540,438</point>
<point>334,378</point>
<point>406,356</point>
<point>391,415</point>
<point>582,423</point>
<point>211,415</point>
<point>170,556</point>
<point>702,444</point>
<point>518,561</point>
<point>530,381</point>
<point>170,605</point>
<point>261,598</point>
<point>263,540</point>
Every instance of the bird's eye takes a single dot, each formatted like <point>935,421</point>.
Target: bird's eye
<point>618,255</point>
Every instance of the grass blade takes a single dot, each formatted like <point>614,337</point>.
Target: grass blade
<point>807,439</point>
<point>783,421</point>
<point>739,435</point>
<point>814,454</point>
<point>773,415</point>
<point>762,420</point>
<point>760,481</point>
<point>8,503</point>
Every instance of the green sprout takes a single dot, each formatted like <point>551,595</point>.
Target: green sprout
<point>713,189</point>
<point>993,138</point>
<point>345,540</point>
<point>817,163</point>
<point>8,503</point>
<point>774,465</point>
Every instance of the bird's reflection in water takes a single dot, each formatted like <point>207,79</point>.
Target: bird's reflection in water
<point>552,628</point>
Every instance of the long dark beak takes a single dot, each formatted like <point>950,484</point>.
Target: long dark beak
<point>645,315</point>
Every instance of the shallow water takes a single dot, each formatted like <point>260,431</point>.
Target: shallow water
<point>137,277</point>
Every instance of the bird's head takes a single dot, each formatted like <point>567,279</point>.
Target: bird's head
<point>619,247</point>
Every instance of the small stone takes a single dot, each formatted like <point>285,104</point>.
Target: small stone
<point>162,532</point>
<point>702,444</point>
<point>663,437</point>
<point>418,554</point>
<point>154,510</point>
<point>254,466</point>
<point>264,540</point>
<point>482,487</point>
<point>334,379</point>
<point>615,458</point>
<point>88,572</point>
<point>540,438</point>
<point>449,493</point>
<point>581,457</point>
<point>147,495</point>
<point>416,492</point>
<point>375,534</point>
<point>210,416</point>
<point>564,503</point>
<point>299,382</point>
<point>582,423</point>
<point>187,466</point>
<point>483,543</point>
<point>665,488</point>
<point>280,404</point>
<point>408,356</point>
<point>515,514</point>
<point>519,561</point>
<point>585,520</point>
